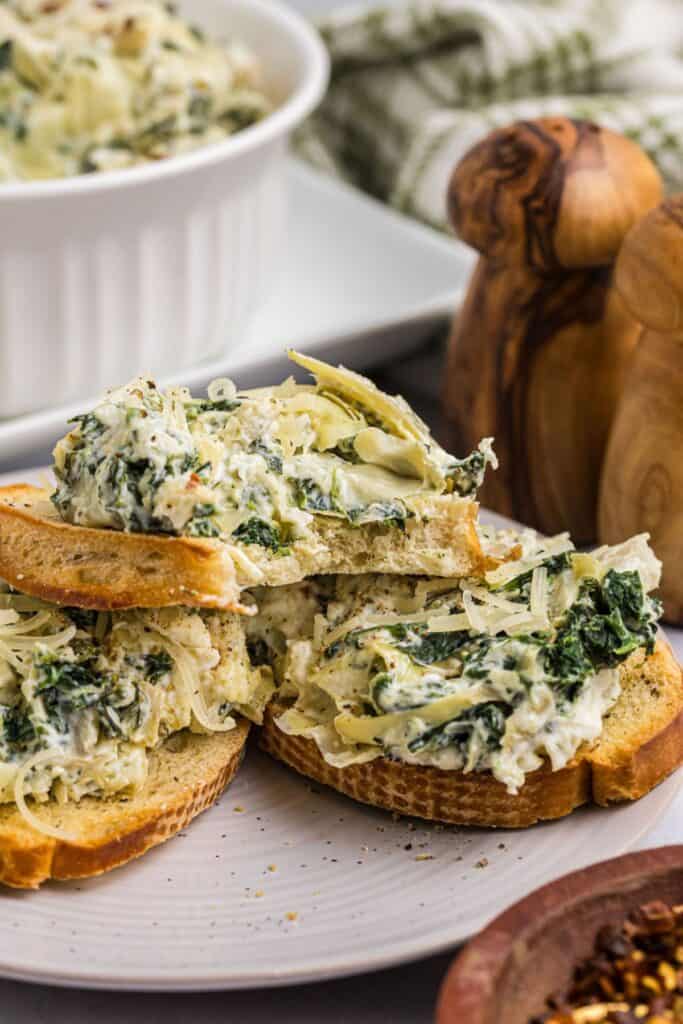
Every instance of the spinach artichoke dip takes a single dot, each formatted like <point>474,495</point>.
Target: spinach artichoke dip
<point>84,696</point>
<point>98,85</point>
<point>490,675</point>
<point>256,468</point>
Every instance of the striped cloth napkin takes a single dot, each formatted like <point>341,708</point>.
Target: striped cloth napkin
<point>414,86</point>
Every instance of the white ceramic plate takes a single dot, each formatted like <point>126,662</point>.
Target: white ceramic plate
<point>360,284</point>
<point>284,882</point>
<point>214,907</point>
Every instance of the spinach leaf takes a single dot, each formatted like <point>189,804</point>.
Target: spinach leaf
<point>157,664</point>
<point>309,495</point>
<point>519,587</point>
<point>89,426</point>
<point>66,686</point>
<point>83,618</point>
<point>18,730</point>
<point>201,524</point>
<point>197,406</point>
<point>488,719</point>
<point>428,648</point>
<point>465,476</point>
<point>607,622</point>
<point>346,450</point>
<point>389,513</point>
<point>272,459</point>
<point>258,531</point>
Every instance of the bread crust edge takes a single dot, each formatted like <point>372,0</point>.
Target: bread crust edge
<point>202,574</point>
<point>28,858</point>
<point>479,799</point>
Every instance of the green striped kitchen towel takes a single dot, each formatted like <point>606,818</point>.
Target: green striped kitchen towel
<point>414,86</point>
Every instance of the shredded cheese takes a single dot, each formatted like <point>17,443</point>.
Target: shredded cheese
<point>511,570</point>
<point>189,686</point>
<point>42,758</point>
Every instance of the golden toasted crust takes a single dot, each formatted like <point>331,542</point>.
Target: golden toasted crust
<point>186,776</point>
<point>46,557</point>
<point>425,792</point>
<point>631,757</point>
<point>642,741</point>
<point>106,569</point>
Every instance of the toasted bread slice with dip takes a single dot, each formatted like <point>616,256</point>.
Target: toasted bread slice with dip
<point>500,701</point>
<point>162,498</point>
<point>634,753</point>
<point>116,729</point>
<point>186,776</point>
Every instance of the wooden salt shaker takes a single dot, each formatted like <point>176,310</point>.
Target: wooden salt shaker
<point>642,480</point>
<point>538,353</point>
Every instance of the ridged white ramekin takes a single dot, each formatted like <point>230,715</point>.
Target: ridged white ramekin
<point>153,269</point>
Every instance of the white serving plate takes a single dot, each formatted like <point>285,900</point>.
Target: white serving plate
<point>360,283</point>
<point>213,908</point>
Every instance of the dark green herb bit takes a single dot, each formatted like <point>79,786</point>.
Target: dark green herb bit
<point>200,107</point>
<point>15,125</point>
<point>519,587</point>
<point>272,459</point>
<point>606,623</point>
<point>83,618</point>
<point>346,450</point>
<point>198,406</point>
<point>157,664</point>
<point>428,648</point>
<point>467,475</point>
<point>18,731</point>
<point>488,719</point>
<point>258,531</point>
<point>5,54</point>
<point>201,523</point>
<point>310,496</point>
<point>258,651</point>
<point>66,686</point>
<point>388,513</point>
<point>89,425</point>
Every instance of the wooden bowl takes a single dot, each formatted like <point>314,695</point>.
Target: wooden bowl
<point>505,974</point>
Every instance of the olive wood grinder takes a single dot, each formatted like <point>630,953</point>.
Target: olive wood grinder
<point>538,353</point>
<point>642,480</point>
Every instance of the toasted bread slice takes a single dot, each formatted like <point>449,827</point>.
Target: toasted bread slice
<point>106,569</point>
<point>187,774</point>
<point>641,743</point>
<point>72,565</point>
<point>441,540</point>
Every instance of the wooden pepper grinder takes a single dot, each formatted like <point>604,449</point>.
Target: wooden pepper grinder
<point>538,353</point>
<point>642,480</point>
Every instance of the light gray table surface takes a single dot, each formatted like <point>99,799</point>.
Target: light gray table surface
<point>403,995</point>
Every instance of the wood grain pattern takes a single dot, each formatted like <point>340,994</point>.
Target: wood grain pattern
<point>537,355</point>
<point>642,480</point>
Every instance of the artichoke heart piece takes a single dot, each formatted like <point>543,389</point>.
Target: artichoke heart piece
<point>371,728</point>
<point>393,412</point>
<point>331,422</point>
<point>401,456</point>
